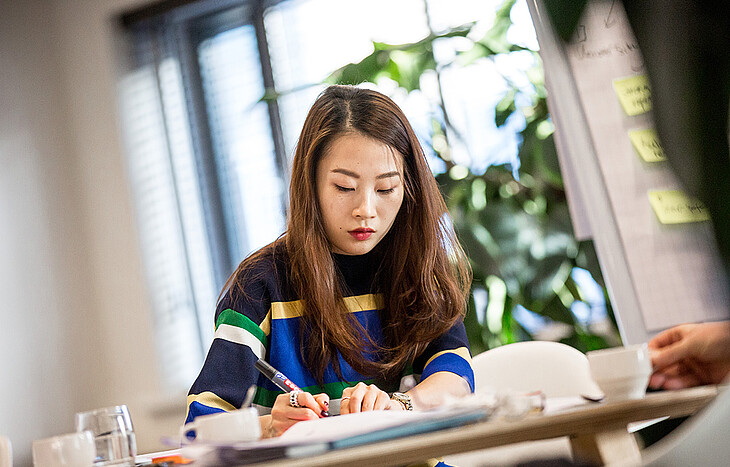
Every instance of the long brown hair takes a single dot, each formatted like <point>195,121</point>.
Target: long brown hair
<point>424,276</point>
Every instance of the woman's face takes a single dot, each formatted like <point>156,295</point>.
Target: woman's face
<point>360,190</point>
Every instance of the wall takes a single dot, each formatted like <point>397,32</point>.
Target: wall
<point>75,323</point>
<point>42,307</point>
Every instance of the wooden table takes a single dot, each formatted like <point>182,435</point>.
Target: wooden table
<point>597,433</point>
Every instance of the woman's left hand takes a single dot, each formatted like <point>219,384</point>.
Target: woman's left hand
<point>365,397</point>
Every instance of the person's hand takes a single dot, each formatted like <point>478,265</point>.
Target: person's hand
<point>283,415</point>
<point>366,397</point>
<point>690,355</point>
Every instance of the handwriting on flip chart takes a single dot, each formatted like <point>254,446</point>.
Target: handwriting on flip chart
<point>617,48</point>
<point>674,207</point>
<point>647,145</point>
<point>634,94</point>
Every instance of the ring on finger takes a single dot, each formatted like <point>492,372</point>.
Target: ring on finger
<point>294,399</point>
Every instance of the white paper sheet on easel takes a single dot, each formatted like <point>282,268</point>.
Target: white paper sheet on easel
<point>675,269</point>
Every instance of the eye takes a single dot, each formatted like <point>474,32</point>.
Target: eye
<point>386,191</point>
<point>343,189</point>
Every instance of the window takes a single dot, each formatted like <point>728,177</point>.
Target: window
<point>209,156</point>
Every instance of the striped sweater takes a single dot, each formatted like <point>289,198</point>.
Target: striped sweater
<point>265,324</point>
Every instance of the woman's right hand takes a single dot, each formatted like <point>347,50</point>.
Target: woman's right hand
<point>283,415</point>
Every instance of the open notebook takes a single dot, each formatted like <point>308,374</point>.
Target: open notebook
<point>338,432</point>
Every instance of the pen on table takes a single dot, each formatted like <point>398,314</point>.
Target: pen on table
<point>278,378</point>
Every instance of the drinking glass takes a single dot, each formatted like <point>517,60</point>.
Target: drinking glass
<point>113,435</point>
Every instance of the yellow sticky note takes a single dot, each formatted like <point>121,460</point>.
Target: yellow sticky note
<point>646,142</point>
<point>674,207</point>
<point>634,94</point>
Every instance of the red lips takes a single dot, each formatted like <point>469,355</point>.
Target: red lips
<point>362,233</point>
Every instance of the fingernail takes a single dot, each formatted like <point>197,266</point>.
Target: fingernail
<point>326,403</point>
<point>324,413</point>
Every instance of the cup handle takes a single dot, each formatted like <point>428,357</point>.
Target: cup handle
<point>185,429</point>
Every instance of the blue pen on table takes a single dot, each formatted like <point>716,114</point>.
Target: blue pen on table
<point>278,378</point>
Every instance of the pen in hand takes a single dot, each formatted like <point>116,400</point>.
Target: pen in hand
<point>278,378</point>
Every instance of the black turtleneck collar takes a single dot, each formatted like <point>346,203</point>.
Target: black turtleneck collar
<point>359,270</point>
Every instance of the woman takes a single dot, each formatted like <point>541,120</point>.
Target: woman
<point>366,287</point>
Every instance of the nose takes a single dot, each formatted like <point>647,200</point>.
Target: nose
<point>365,208</point>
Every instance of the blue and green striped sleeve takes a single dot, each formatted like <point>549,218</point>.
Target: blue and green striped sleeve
<point>229,370</point>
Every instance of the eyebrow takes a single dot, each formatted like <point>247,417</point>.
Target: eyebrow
<point>349,173</point>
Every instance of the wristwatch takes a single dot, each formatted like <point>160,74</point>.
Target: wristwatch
<point>404,399</point>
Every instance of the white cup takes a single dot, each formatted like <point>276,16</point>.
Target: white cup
<point>69,450</point>
<point>621,372</point>
<point>225,427</point>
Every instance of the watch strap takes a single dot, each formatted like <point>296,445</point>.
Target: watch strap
<point>404,399</point>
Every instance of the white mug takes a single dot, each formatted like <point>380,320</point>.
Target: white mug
<point>69,450</point>
<point>225,427</point>
<point>621,372</point>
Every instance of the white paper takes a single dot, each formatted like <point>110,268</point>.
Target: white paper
<point>343,426</point>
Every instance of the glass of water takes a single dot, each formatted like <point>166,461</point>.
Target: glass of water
<point>113,434</point>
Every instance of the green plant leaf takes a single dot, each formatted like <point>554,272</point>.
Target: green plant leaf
<point>554,309</point>
<point>368,69</point>
<point>474,329</point>
<point>505,108</point>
